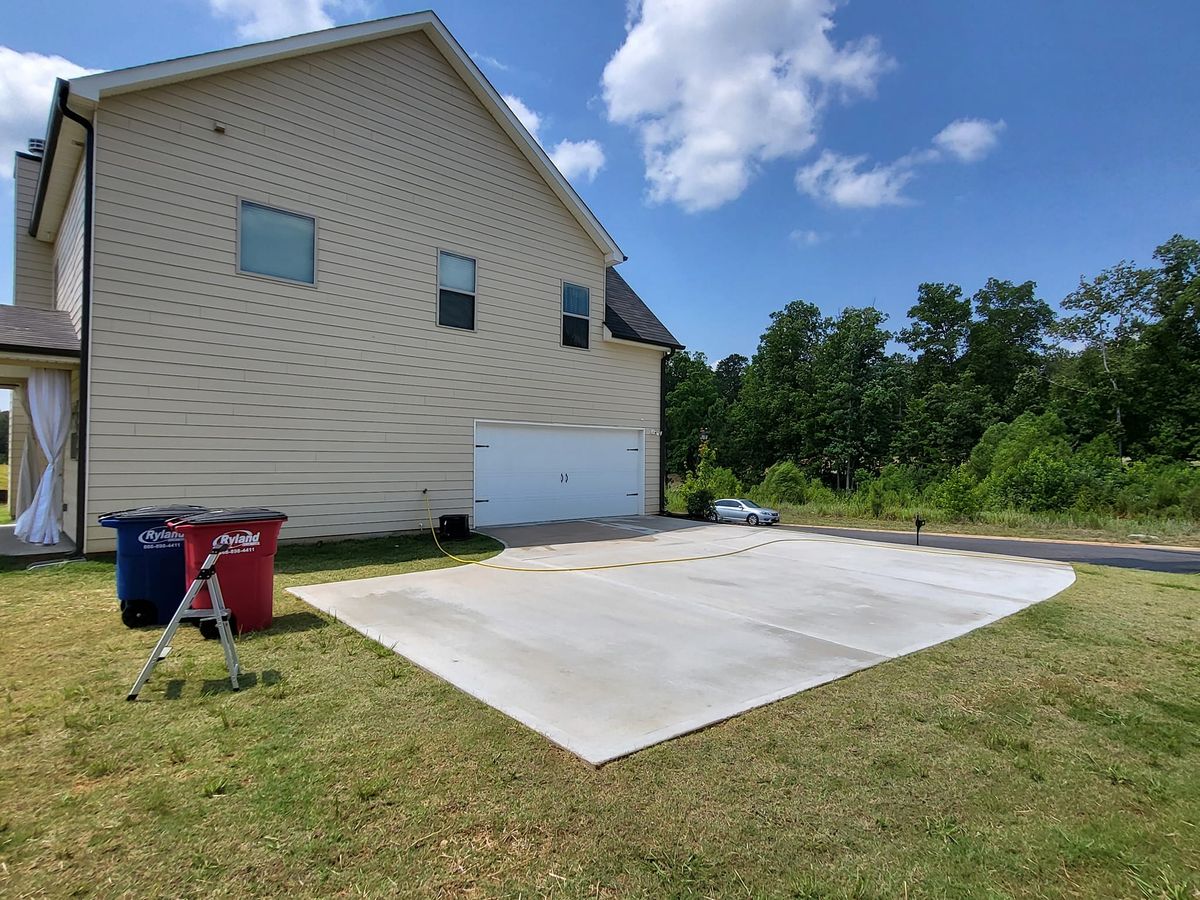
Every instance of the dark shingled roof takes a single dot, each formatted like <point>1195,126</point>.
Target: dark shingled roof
<point>24,329</point>
<point>628,318</point>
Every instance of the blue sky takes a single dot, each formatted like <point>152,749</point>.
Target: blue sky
<point>794,153</point>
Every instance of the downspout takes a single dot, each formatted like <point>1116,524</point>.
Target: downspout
<point>662,432</point>
<point>85,319</point>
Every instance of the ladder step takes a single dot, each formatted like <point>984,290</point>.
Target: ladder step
<point>204,614</point>
<point>163,655</point>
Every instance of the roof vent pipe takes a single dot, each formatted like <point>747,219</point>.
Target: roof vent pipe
<point>37,146</point>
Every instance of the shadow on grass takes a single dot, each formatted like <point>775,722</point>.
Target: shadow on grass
<point>291,623</point>
<point>211,686</point>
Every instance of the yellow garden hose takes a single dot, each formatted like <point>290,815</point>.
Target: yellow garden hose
<point>678,559</point>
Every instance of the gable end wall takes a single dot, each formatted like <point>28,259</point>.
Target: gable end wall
<point>337,403</point>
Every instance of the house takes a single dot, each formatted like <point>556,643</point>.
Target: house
<point>321,274</point>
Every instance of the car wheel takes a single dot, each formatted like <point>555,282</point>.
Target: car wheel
<point>752,520</point>
<point>712,516</point>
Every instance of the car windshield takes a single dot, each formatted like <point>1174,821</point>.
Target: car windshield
<point>749,503</point>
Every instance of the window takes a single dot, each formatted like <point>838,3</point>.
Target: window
<point>277,244</point>
<point>576,307</point>
<point>456,291</point>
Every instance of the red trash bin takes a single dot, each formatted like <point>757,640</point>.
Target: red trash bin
<point>246,570</point>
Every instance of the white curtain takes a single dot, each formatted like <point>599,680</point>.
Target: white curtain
<point>48,396</point>
<point>24,494</point>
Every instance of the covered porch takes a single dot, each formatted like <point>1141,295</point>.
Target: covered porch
<point>39,365</point>
<point>12,546</point>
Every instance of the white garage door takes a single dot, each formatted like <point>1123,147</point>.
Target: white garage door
<point>542,473</point>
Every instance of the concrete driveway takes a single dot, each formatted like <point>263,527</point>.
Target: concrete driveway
<point>607,662</point>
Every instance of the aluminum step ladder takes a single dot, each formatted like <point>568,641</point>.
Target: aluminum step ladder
<point>207,576</point>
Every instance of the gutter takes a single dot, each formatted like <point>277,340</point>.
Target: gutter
<point>61,89</point>
<point>85,325</point>
<point>39,351</point>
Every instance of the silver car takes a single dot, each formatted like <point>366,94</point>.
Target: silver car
<point>730,510</point>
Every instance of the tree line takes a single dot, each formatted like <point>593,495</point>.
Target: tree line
<point>1108,384</point>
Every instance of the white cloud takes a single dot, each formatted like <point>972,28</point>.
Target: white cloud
<point>850,181</point>
<point>806,237</point>
<point>575,159</point>
<point>531,120</point>
<point>578,159</point>
<point>26,86</point>
<point>969,140</point>
<point>264,20</point>
<point>491,61</point>
<point>716,88</point>
<point>846,181</point>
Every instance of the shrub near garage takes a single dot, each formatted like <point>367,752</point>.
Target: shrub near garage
<point>700,488</point>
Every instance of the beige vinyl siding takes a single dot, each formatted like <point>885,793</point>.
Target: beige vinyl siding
<point>339,403</point>
<point>68,253</point>
<point>19,431</point>
<point>33,260</point>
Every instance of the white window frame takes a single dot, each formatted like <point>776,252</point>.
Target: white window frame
<point>562,309</point>
<point>437,292</point>
<point>237,248</point>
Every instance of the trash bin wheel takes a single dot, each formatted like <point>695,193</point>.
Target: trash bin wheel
<point>208,628</point>
<point>139,614</point>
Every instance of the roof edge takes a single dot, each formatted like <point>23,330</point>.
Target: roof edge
<point>53,126</point>
<point>92,88</point>
<point>32,350</point>
<point>196,65</point>
<point>661,345</point>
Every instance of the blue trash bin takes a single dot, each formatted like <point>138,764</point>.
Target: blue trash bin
<point>150,572</point>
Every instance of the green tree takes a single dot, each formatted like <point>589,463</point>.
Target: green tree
<point>730,372</point>
<point>1106,315</point>
<point>858,392</point>
<point>937,332</point>
<point>1007,340</point>
<point>942,425</point>
<point>775,416</point>
<point>692,408</point>
<point>1164,415</point>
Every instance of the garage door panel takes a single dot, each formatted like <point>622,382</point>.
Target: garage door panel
<point>541,473</point>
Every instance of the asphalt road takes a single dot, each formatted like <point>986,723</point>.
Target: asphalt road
<point>1153,559</point>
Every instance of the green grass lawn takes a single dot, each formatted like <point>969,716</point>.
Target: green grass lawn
<point>1054,754</point>
<point>1009,523</point>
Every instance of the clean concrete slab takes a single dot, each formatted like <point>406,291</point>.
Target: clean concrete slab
<point>610,661</point>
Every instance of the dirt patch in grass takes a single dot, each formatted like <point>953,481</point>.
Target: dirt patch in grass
<point>1053,754</point>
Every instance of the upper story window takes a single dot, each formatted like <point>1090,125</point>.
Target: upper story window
<point>576,312</point>
<point>277,243</point>
<point>456,291</point>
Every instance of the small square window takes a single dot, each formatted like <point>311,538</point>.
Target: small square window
<point>277,244</point>
<point>576,312</point>
<point>456,291</point>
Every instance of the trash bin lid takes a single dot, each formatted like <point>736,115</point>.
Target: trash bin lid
<point>152,513</point>
<point>229,516</point>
